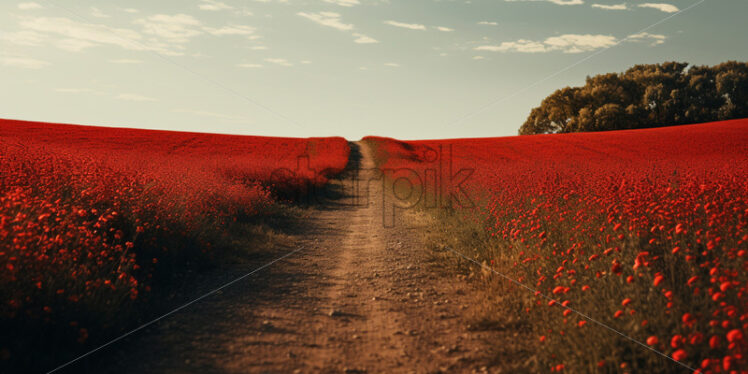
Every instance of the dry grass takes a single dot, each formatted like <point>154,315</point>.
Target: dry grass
<point>495,306</point>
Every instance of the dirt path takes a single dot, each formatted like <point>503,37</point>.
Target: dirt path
<point>357,298</point>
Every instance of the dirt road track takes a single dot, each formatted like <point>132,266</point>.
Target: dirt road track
<point>358,298</point>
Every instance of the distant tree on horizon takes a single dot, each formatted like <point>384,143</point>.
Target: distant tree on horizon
<point>645,96</point>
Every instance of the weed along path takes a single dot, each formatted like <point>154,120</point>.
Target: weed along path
<point>358,297</point>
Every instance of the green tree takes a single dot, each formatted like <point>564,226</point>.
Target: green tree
<point>671,93</point>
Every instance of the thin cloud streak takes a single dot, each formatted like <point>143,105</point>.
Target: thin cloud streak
<point>329,19</point>
<point>567,43</point>
<point>411,26</point>
<point>662,7</point>
<point>610,7</point>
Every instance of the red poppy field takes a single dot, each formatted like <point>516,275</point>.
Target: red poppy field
<point>92,218</point>
<point>627,250</point>
<point>644,231</point>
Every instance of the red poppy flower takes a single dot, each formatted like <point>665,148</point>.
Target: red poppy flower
<point>657,280</point>
<point>734,336</point>
<point>652,340</point>
<point>676,341</point>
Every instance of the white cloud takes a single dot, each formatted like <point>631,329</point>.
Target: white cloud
<point>71,35</point>
<point>557,2</point>
<point>392,64</point>
<point>29,6</point>
<point>130,10</point>
<point>611,7</point>
<point>568,43</point>
<point>522,45</point>
<point>279,61</point>
<point>488,23</point>
<point>231,30</point>
<point>25,37</point>
<point>76,35</point>
<point>478,58</point>
<point>345,3</point>
<point>574,43</point>
<point>22,62</point>
<point>134,97</point>
<point>571,43</point>
<point>411,26</point>
<point>332,19</point>
<point>74,45</point>
<point>253,66</point>
<point>96,12</point>
<point>653,39</point>
<point>329,19</point>
<point>259,48</point>
<point>178,28</point>
<point>567,2</point>
<point>667,8</point>
<point>126,61</point>
<point>363,39</point>
<point>305,62</point>
<point>445,29</point>
<point>213,5</point>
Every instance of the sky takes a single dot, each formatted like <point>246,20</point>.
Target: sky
<point>408,69</point>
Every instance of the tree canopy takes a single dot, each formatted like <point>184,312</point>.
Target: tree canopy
<point>671,93</point>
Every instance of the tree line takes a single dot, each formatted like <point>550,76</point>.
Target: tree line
<point>644,96</point>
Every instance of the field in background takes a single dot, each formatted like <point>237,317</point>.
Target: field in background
<point>645,231</point>
<point>92,220</point>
